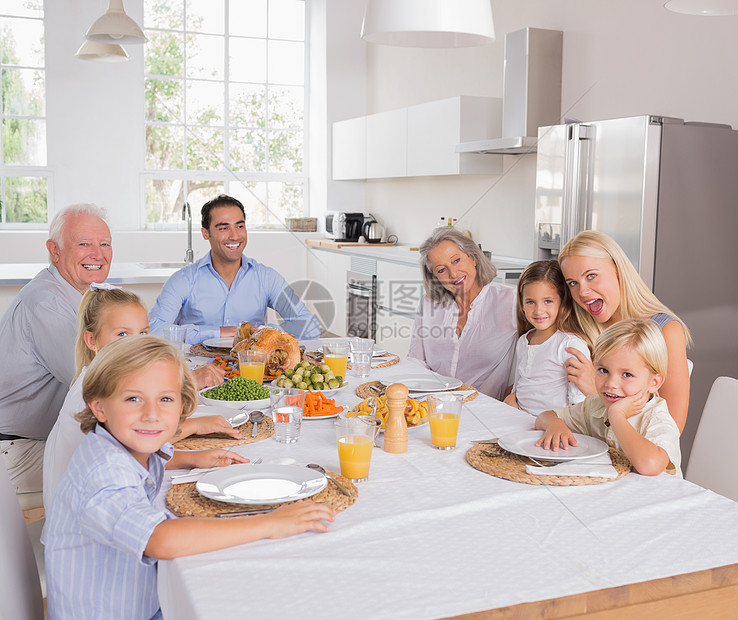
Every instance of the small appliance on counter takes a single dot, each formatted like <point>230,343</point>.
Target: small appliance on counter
<point>343,226</point>
<point>372,230</point>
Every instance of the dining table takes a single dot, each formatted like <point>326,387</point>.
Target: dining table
<point>429,536</point>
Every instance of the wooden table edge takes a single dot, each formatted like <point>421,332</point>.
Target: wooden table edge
<point>710,593</point>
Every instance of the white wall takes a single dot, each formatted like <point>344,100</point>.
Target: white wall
<point>620,58</point>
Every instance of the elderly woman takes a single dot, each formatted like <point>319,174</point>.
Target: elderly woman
<point>465,327</point>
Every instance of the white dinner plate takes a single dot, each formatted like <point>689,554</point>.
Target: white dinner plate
<point>524,443</point>
<point>219,343</point>
<point>423,383</point>
<point>325,392</point>
<point>248,484</point>
<point>414,426</point>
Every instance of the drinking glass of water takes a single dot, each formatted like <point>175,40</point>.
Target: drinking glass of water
<point>287,405</point>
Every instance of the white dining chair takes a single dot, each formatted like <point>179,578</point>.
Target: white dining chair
<point>712,461</point>
<point>20,586</point>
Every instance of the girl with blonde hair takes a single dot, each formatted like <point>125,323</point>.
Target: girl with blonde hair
<point>606,289</point>
<point>106,314</point>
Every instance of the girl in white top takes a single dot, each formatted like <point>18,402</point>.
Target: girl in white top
<point>107,313</point>
<point>540,373</point>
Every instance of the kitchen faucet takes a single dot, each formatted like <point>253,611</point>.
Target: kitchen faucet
<point>187,215</point>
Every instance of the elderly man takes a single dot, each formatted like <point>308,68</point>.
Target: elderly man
<point>214,294</point>
<point>37,335</point>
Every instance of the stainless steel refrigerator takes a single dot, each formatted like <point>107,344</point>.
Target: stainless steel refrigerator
<point>667,191</point>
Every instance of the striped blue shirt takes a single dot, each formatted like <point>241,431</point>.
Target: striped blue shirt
<point>97,527</point>
<point>198,297</point>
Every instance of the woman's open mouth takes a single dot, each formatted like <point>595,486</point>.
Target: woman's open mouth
<point>459,281</point>
<point>595,306</point>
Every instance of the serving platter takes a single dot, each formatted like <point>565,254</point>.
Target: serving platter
<point>524,444</point>
<point>252,485</point>
<point>325,392</point>
<point>231,404</point>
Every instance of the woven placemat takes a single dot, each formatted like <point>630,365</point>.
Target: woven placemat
<point>364,390</point>
<point>184,500</point>
<point>198,349</point>
<point>493,460</point>
<point>203,442</point>
<point>391,360</point>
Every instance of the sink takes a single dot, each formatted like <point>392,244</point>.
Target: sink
<point>163,265</point>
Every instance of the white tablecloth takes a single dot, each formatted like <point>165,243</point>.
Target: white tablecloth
<point>431,537</point>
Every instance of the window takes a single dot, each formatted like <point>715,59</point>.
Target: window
<point>23,173</point>
<point>225,84</point>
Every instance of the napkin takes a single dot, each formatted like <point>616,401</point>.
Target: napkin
<point>596,467</point>
<point>193,476</point>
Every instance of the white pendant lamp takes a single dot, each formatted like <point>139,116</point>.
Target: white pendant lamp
<point>102,52</point>
<point>708,8</point>
<point>428,23</point>
<point>115,27</point>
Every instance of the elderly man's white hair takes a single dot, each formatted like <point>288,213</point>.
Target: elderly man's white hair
<point>56,229</point>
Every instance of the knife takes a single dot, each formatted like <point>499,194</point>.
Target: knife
<point>245,513</point>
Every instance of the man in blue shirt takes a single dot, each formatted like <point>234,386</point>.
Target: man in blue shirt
<point>215,293</point>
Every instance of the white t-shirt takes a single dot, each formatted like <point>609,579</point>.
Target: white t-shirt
<point>482,355</point>
<point>654,423</point>
<point>540,373</point>
<point>63,439</point>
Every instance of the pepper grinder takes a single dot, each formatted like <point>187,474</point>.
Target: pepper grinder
<point>395,433</point>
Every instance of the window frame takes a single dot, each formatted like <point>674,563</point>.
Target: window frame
<point>26,170</point>
<point>226,175</point>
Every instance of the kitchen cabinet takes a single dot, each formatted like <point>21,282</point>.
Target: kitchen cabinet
<point>349,140</point>
<point>418,140</point>
<point>328,270</point>
<point>386,144</point>
<point>434,129</point>
<point>399,291</point>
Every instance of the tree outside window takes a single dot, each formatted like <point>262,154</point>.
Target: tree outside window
<point>225,107</point>
<point>23,173</point>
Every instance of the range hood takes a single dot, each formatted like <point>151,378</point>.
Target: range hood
<point>531,92</point>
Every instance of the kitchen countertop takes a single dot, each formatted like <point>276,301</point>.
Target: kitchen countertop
<point>19,274</point>
<point>406,254</point>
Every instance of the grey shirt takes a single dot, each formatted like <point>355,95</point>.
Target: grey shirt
<point>37,336</point>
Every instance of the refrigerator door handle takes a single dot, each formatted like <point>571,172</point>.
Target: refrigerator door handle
<point>575,186</point>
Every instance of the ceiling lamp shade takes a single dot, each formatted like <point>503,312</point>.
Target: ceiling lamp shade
<point>103,52</point>
<point>428,23</point>
<point>709,8</point>
<point>115,27</point>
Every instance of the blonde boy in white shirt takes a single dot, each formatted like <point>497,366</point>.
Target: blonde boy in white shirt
<point>630,360</point>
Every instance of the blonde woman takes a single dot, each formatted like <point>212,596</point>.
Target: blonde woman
<point>607,289</point>
<point>466,326</point>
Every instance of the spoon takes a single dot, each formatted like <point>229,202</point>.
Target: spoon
<point>340,487</point>
<point>256,417</point>
<point>239,419</point>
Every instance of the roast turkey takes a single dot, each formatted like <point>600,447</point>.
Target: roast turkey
<point>282,349</point>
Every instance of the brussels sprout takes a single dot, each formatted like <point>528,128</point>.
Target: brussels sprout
<point>305,364</point>
<point>317,378</point>
<point>330,375</point>
<point>333,384</point>
<point>302,385</point>
<point>318,386</point>
<point>340,379</point>
<point>325,368</point>
<point>289,372</point>
<point>288,383</point>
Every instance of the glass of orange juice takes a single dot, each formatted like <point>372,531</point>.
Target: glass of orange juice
<point>444,411</point>
<point>355,438</point>
<point>251,363</point>
<point>335,356</point>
